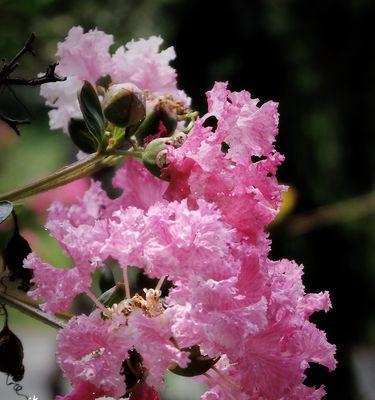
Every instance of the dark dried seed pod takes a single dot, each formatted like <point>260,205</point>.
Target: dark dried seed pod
<point>11,353</point>
<point>16,250</point>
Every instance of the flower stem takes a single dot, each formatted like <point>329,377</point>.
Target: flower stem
<point>65,175</point>
<point>160,282</point>
<point>32,311</point>
<point>126,283</point>
<point>98,304</point>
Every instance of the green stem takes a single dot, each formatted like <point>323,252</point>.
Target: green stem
<point>126,153</point>
<point>63,176</point>
<point>32,311</point>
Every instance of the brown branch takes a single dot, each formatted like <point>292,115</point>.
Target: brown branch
<point>5,79</point>
<point>13,123</point>
<point>9,67</point>
<point>49,76</point>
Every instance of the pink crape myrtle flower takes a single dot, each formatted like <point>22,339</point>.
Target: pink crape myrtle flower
<point>232,317</point>
<point>85,56</point>
<point>233,165</point>
<point>85,391</point>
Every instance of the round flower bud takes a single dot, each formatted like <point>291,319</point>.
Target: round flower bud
<point>178,139</point>
<point>155,155</point>
<point>124,105</point>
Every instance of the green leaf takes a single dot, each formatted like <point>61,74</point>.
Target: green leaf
<point>6,208</point>
<point>106,279</point>
<point>92,111</point>
<point>81,136</point>
<point>113,296</point>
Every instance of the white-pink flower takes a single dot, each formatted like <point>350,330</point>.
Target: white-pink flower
<point>86,56</point>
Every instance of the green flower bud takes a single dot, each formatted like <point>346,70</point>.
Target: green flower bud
<point>178,139</point>
<point>124,105</point>
<point>81,136</point>
<point>155,155</point>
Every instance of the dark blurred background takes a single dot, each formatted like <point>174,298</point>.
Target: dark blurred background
<point>317,59</point>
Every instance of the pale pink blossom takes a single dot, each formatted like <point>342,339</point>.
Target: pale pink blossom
<point>142,63</point>
<point>90,350</point>
<point>139,188</point>
<point>86,56</point>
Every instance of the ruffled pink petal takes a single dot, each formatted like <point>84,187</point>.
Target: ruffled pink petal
<point>143,64</point>
<point>144,392</point>
<point>91,349</point>
<point>57,287</point>
<point>139,188</point>
<point>84,391</point>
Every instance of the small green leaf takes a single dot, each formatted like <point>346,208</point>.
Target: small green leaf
<point>113,296</point>
<point>6,208</point>
<point>81,136</point>
<point>106,279</point>
<point>91,110</point>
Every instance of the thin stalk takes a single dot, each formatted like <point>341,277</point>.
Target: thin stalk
<point>128,153</point>
<point>33,312</point>
<point>63,176</point>
<point>226,378</point>
<point>93,298</point>
<point>160,282</point>
<point>126,283</point>
<point>218,382</point>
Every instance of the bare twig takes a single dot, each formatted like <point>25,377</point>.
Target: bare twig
<point>6,79</point>
<point>49,76</point>
<point>10,66</point>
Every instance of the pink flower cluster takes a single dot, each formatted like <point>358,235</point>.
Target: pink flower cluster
<point>203,226</point>
<point>85,56</point>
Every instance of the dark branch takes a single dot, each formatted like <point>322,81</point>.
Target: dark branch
<point>13,123</point>
<point>49,76</point>
<point>9,67</point>
<point>5,79</point>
